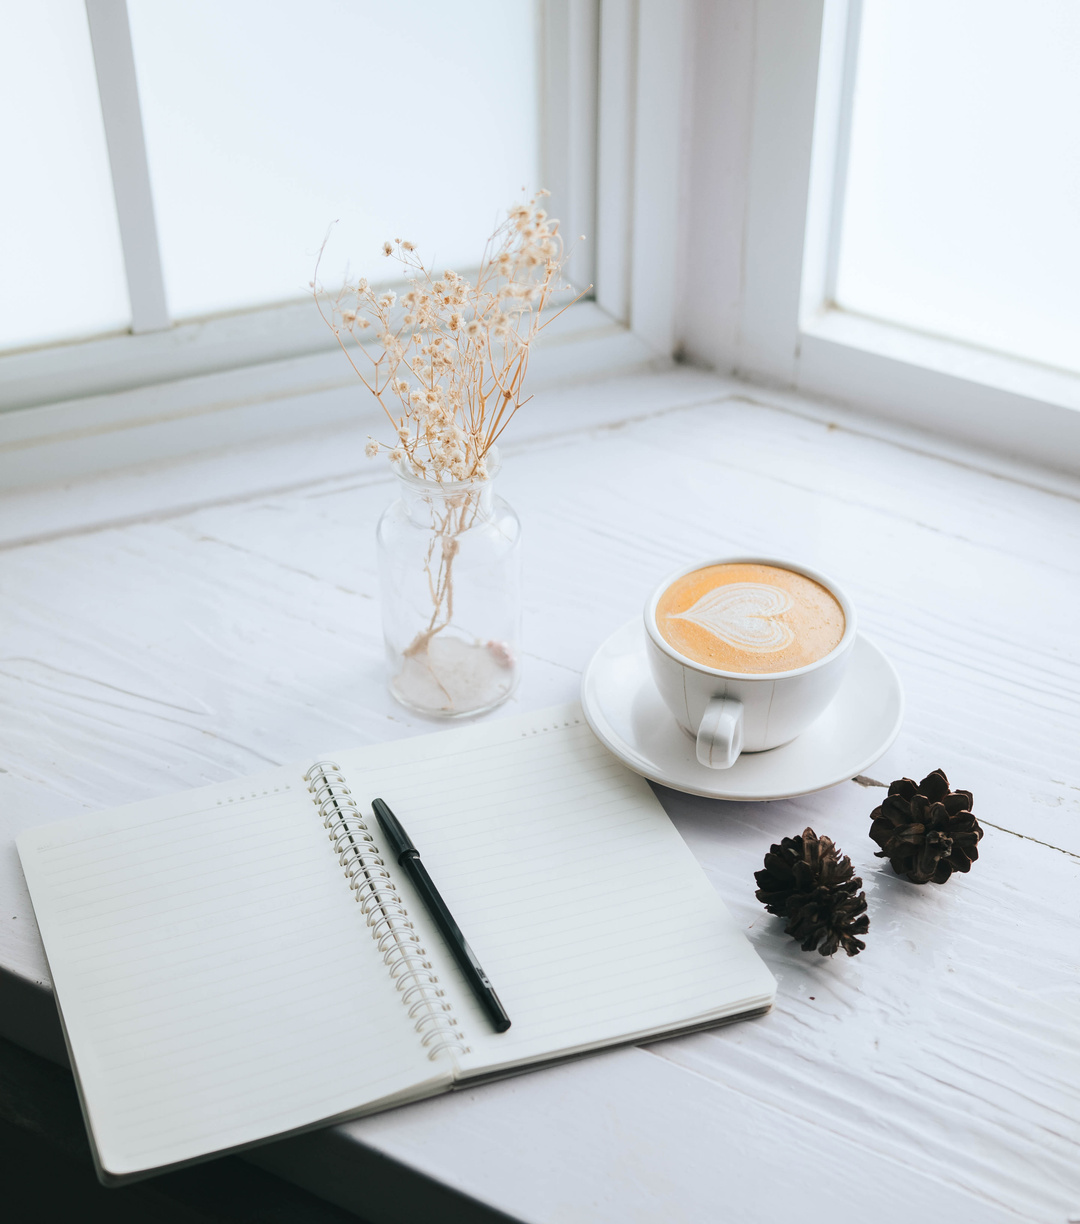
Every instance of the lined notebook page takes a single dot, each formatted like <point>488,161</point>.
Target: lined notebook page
<point>216,978</point>
<point>592,918</point>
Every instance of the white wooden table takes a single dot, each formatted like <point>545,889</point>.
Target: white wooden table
<point>150,643</point>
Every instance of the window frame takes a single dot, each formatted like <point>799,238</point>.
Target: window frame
<point>719,153</point>
<point>166,389</point>
<point>791,331</point>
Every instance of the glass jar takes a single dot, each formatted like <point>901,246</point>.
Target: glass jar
<point>450,579</point>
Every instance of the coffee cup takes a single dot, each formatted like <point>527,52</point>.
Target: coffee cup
<point>755,617</point>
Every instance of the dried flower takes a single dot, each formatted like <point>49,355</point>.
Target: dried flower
<point>464,345</point>
<point>371,449</point>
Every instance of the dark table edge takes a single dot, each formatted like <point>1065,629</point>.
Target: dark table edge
<point>329,1164</point>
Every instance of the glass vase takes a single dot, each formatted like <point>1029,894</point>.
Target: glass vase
<point>450,579</point>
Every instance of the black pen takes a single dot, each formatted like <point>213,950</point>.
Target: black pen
<point>409,858</point>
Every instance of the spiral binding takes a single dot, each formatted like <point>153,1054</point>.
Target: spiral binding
<point>382,907</point>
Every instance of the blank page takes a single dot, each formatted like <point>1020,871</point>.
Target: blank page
<point>216,979</point>
<point>591,917</point>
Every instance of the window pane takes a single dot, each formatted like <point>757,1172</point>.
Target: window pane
<point>266,120</point>
<point>962,211</point>
<point>63,271</point>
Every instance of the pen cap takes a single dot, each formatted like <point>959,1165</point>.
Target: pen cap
<point>397,839</point>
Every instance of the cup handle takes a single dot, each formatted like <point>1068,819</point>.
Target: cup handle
<point>720,736</point>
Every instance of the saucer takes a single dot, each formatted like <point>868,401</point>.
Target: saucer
<point>626,714</point>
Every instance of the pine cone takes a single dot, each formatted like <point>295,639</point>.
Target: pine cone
<point>807,881</point>
<point>926,831</point>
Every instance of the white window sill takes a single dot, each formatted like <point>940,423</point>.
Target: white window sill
<point>161,421</point>
<point>1009,405</point>
<point>268,444</point>
<point>259,447</point>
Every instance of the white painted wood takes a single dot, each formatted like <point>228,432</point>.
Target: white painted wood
<point>660,110</point>
<point>954,389</point>
<point>117,363</point>
<point>722,103</point>
<point>46,376</point>
<point>615,155</point>
<point>327,451</point>
<point>711,280</point>
<point>59,442</point>
<point>788,332</point>
<point>114,63</point>
<point>906,437</point>
<point>109,364</point>
<point>934,1077</point>
<point>786,42</point>
<point>840,24</point>
<point>568,127</point>
<point>83,409</point>
<point>840,37</point>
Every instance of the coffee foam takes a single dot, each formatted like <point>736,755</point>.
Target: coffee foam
<point>749,618</point>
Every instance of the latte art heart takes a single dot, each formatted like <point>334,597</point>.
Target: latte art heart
<point>748,617</point>
<point>742,614</point>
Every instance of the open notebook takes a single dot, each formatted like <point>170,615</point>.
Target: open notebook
<point>242,962</point>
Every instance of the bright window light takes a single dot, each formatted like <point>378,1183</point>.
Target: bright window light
<point>62,266</point>
<point>962,211</point>
<point>268,120</point>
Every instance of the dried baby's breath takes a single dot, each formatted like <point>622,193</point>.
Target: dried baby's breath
<point>450,359</point>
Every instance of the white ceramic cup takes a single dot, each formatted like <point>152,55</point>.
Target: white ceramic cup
<point>733,712</point>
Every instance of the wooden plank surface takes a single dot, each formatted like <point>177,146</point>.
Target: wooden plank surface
<point>936,1076</point>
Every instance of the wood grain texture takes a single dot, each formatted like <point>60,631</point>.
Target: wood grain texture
<point>936,1076</point>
